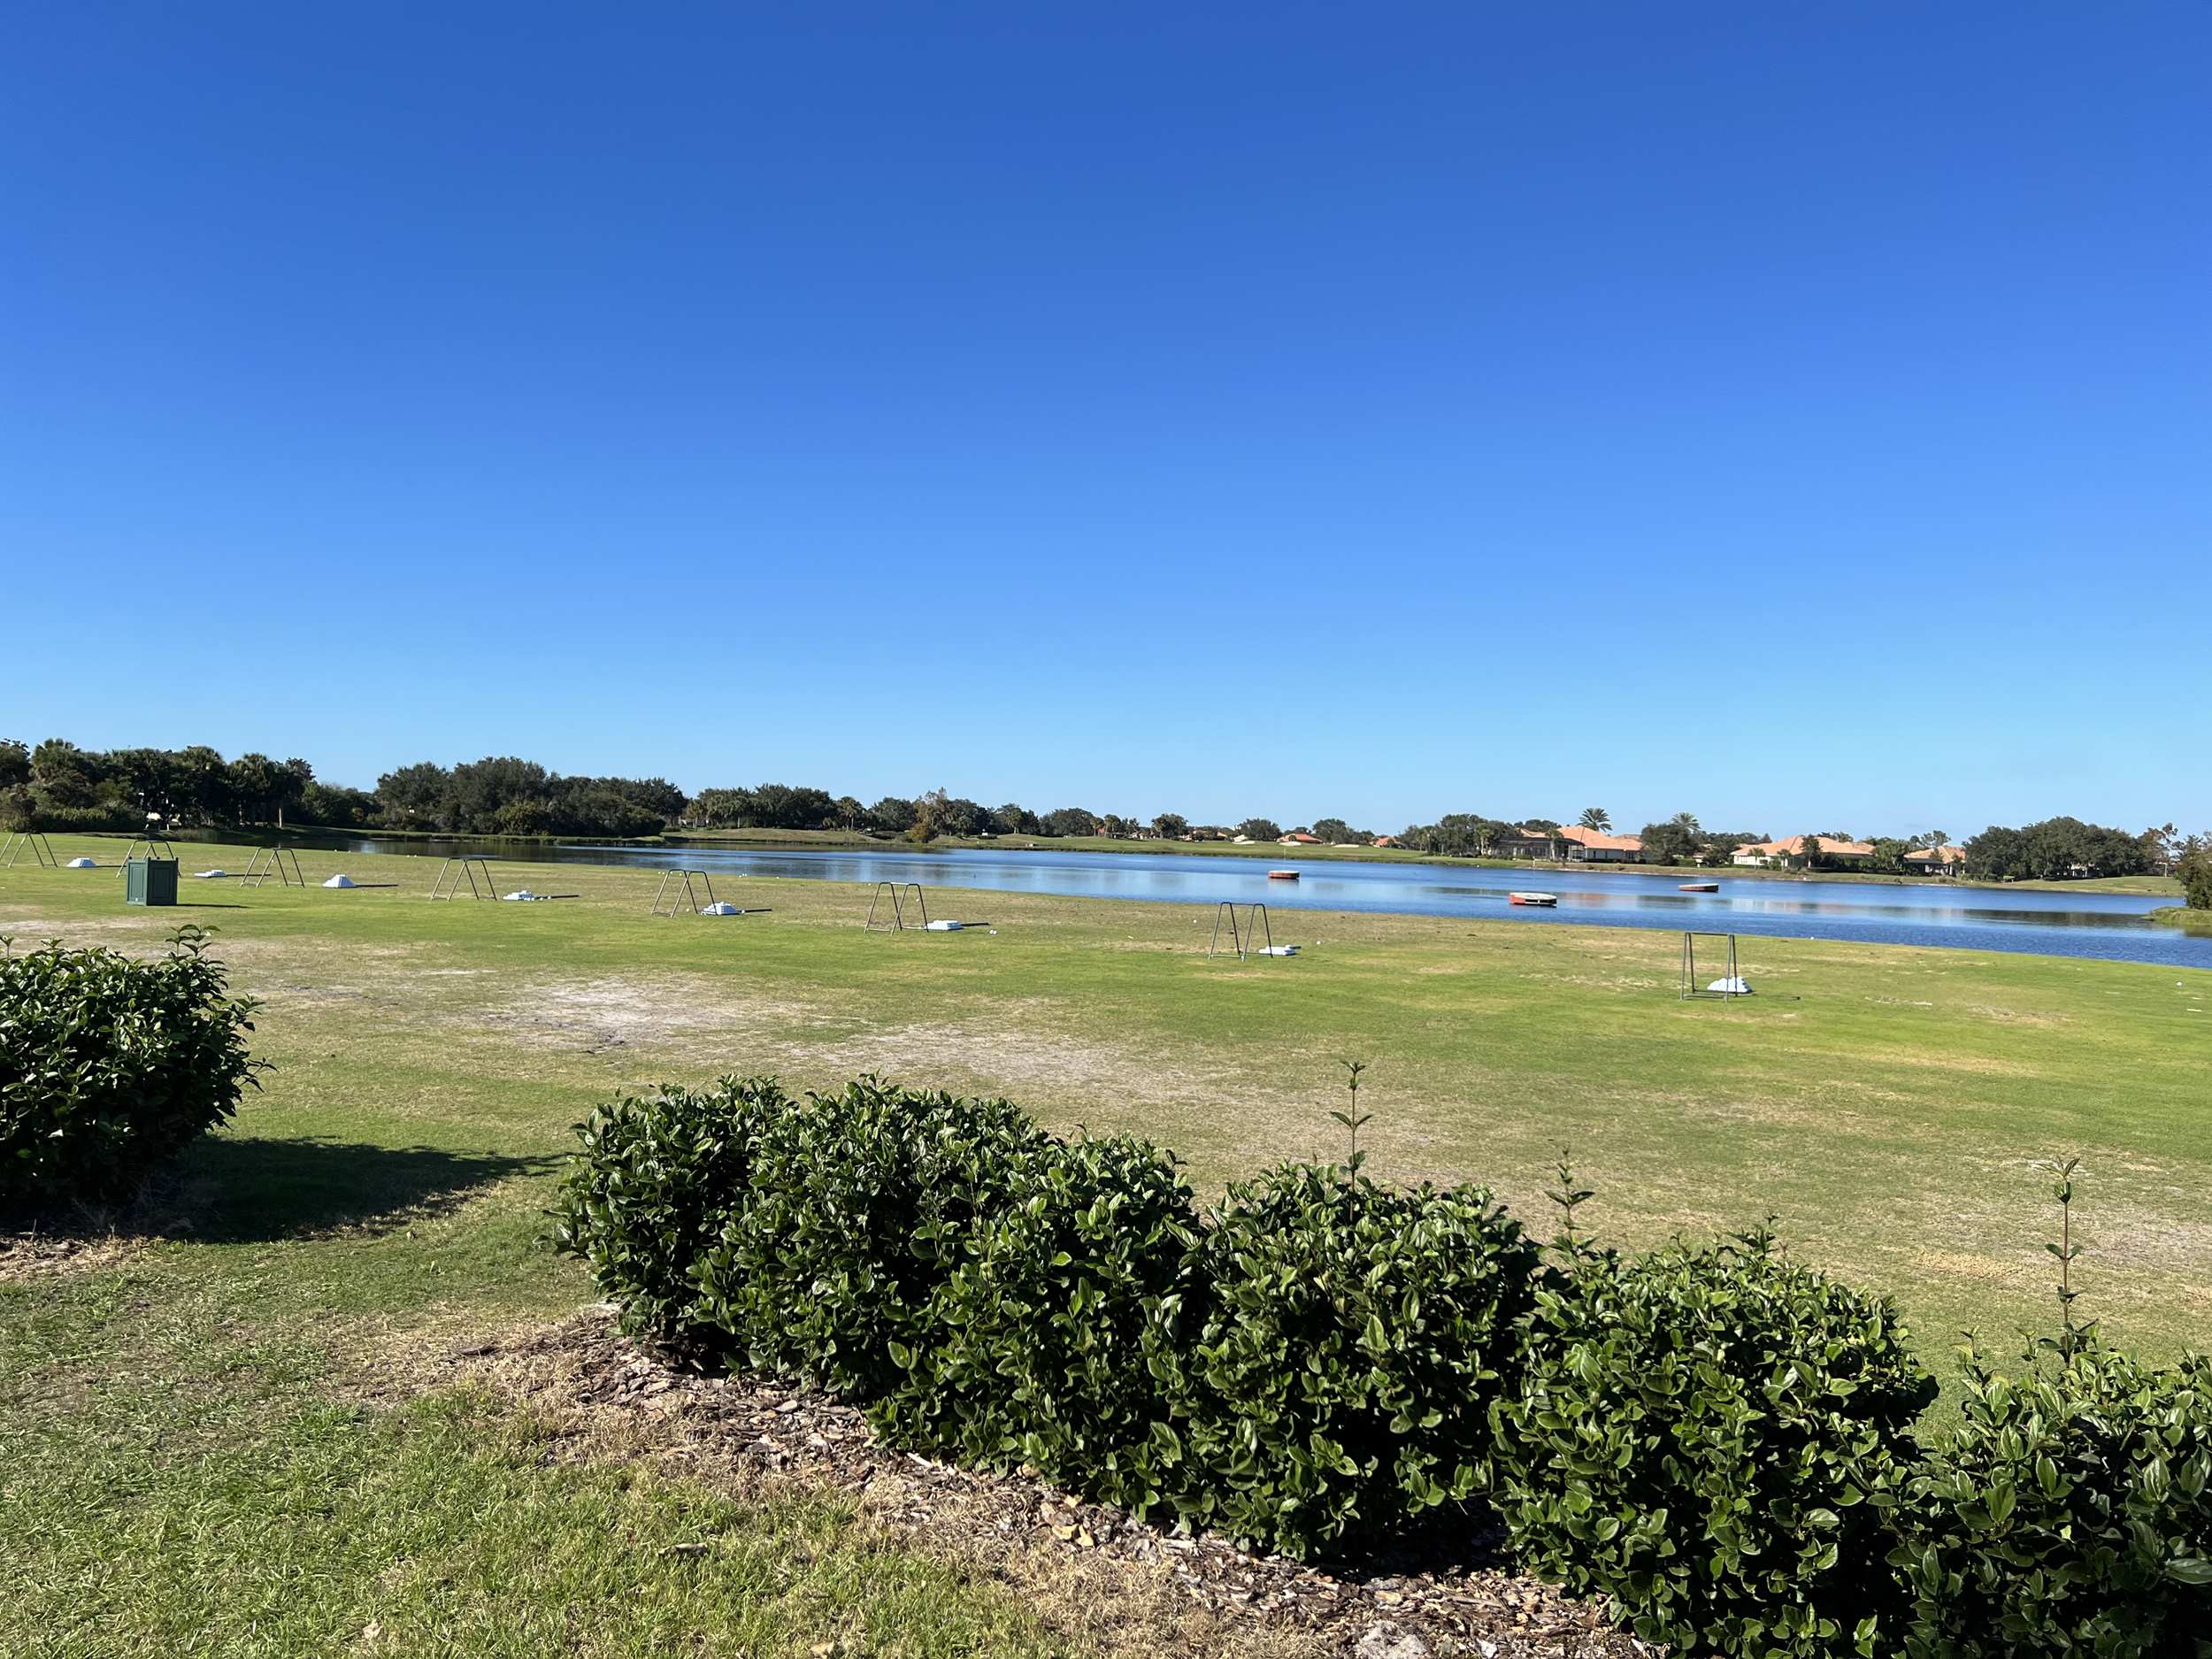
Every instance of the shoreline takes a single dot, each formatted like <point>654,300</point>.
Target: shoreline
<point>2149,886</point>
<point>862,840</point>
<point>2181,917</point>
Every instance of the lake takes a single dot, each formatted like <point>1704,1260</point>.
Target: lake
<point>2110,926</point>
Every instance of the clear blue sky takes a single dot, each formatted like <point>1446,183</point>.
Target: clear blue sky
<point>1800,415</point>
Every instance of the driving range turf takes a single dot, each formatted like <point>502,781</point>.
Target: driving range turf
<point>219,1431</point>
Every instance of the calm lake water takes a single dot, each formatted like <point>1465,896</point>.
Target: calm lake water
<point>2111,925</point>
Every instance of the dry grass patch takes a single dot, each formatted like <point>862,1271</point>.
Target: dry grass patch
<point>27,1257</point>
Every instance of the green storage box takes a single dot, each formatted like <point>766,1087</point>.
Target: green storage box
<point>149,881</point>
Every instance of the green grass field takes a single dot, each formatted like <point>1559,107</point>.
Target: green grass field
<point>209,1440</point>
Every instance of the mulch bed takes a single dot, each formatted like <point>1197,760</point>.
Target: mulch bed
<point>628,1397</point>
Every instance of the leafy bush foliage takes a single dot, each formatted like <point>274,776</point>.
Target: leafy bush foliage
<point>1340,1389</point>
<point>109,1066</point>
<point>2194,867</point>
<point>858,1208</point>
<point>1048,1344</point>
<point>23,808</point>
<point>2070,1513</point>
<point>1708,1435</point>
<point>650,1190</point>
<point>1713,1438</point>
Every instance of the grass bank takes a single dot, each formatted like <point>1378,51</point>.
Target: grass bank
<point>2181,916</point>
<point>211,1430</point>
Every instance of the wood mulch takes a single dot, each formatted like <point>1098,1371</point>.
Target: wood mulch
<point>608,1397</point>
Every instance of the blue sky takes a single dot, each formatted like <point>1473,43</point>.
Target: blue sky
<point>1801,416</point>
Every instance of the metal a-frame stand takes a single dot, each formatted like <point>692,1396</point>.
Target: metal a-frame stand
<point>676,895</point>
<point>271,860</point>
<point>897,890</point>
<point>468,865</point>
<point>156,846</point>
<point>1244,942</point>
<point>684,896</point>
<point>32,841</point>
<point>1691,988</point>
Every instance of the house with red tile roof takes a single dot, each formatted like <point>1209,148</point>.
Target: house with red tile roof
<point>1791,850</point>
<point>1570,842</point>
<point>1595,847</point>
<point>1938,861</point>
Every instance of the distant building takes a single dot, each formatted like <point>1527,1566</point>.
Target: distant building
<point>1572,842</point>
<point>1384,841</point>
<point>1790,853</point>
<point>1299,838</point>
<point>1595,847</point>
<point>1938,861</point>
<point>1526,843</point>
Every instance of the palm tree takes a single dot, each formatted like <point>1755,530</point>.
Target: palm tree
<point>1594,817</point>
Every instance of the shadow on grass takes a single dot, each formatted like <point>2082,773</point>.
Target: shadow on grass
<point>242,1189</point>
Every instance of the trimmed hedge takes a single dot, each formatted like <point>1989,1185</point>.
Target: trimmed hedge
<point>1708,1436</point>
<point>857,1209</point>
<point>2070,1513</point>
<point>1051,1343</point>
<point>650,1191</point>
<point>110,1066</point>
<point>1716,1440</point>
<point>1340,1391</point>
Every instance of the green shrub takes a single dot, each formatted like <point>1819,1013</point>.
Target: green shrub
<point>1708,1435</point>
<point>26,810</point>
<point>109,1066</point>
<point>1340,1389</point>
<point>1046,1344</point>
<point>653,1185</point>
<point>860,1204</point>
<point>2195,868</point>
<point>2070,1513</point>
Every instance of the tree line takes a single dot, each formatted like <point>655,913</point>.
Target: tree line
<point>2060,848</point>
<point>59,786</point>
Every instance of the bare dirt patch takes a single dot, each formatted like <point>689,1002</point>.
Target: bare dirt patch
<point>1981,1065</point>
<point>1092,1571</point>
<point>1987,1270</point>
<point>623,1013</point>
<point>2017,1015</point>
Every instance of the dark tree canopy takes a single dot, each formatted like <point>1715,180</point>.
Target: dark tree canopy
<point>1677,840</point>
<point>2194,867</point>
<point>2053,850</point>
